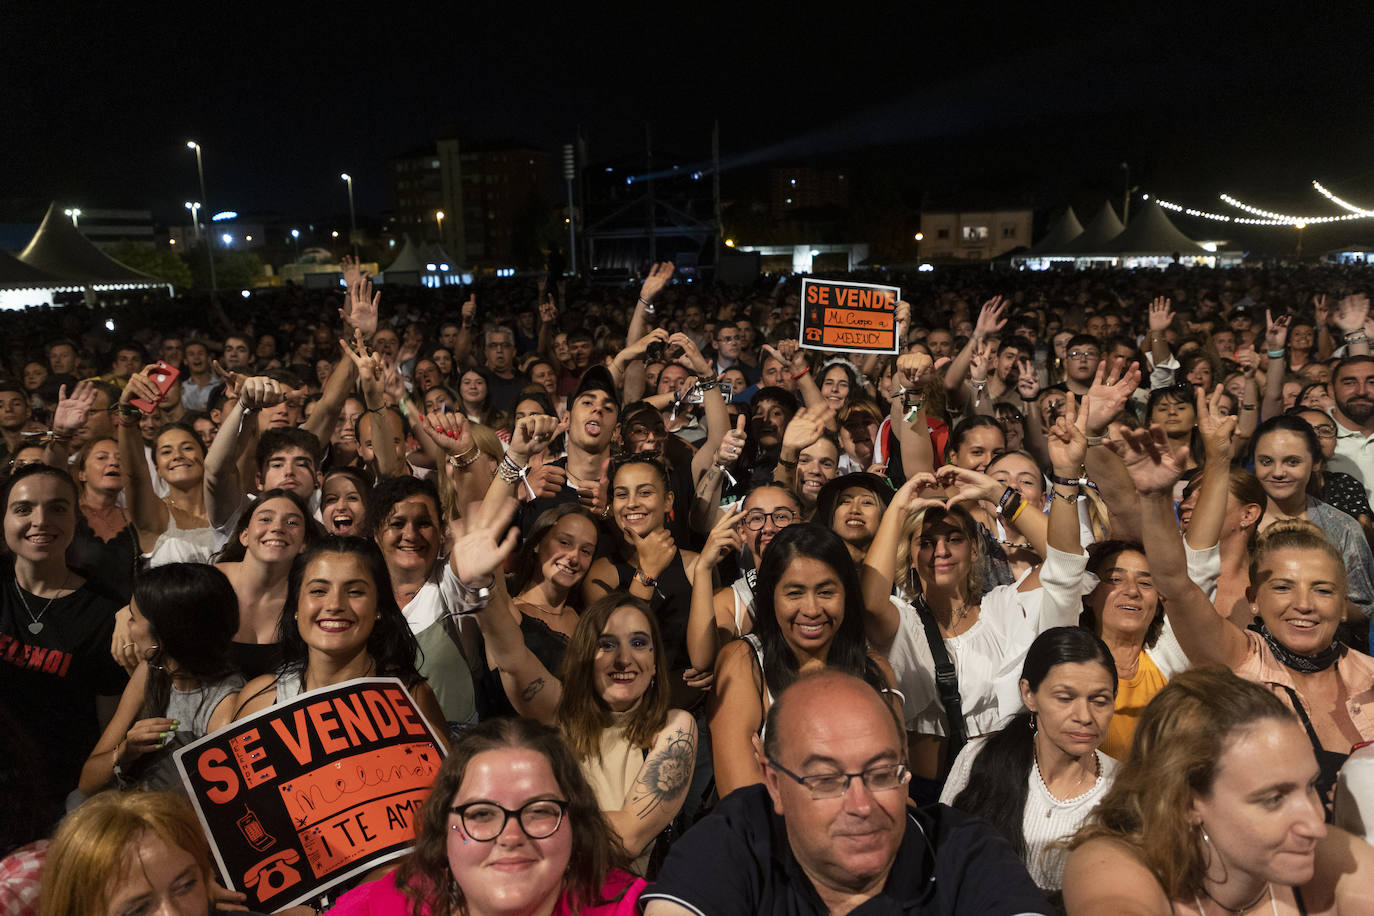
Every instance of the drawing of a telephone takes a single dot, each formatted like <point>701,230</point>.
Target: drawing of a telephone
<point>274,873</point>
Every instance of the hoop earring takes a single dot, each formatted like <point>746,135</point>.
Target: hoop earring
<point>1209,853</point>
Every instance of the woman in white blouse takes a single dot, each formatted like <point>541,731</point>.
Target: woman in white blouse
<point>1039,777</point>
<point>929,551</point>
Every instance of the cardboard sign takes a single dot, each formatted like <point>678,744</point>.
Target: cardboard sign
<point>849,317</point>
<point>307,794</point>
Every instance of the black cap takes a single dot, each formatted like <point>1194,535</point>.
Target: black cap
<point>597,378</point>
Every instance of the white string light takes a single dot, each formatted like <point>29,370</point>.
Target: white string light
<point>1343,204</point>
<point>1262,217</point>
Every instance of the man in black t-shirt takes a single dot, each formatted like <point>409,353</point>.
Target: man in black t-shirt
<point>830,830</point>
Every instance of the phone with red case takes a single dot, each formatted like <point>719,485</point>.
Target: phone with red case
<point>164,376</point>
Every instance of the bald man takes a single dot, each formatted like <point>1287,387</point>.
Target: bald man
<point>830,832</point>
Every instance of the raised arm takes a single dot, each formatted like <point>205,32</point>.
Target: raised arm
<point>1106,398</point>
<point>148,512</point>
<point>1350,317</point>
<point>1275,340</point>
<point>71,413</point>
<point>713,403</point>
<point>1154,467</point>
<point>804,429</point>
<point>634,353</point>
<point>703,639</point>
<point>990,321</point>
<point>1204,531</point>
<point>658,277</point>
<point>1161,316</point>
<point>879,572</point>
<point>909,414</point>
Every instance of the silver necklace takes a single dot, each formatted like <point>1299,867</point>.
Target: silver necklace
<point>36,621</point>
<point>1273,905</point>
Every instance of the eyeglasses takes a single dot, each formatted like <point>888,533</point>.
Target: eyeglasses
<point>1325,430</point>
<point>833,785</point>
<point>485,821</point>
<point>781,518</point>
<point>1083,354</point>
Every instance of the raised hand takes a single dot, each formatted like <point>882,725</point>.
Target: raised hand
<point>1027,380</point>
<point>548,309</point>
<point>1320,309</point>
<point>390,377</point>
<point>913,369</point>
<point>806,428</point>
<point>658,277</point>
<point>903,316</point>
<point>1218,431</point>
<point>260,391</point>
<point>478,551</point>
<point>531,436</point>
<point>1248,360</point>
<point>984,353</point>
<point>732,445</point>
<point>233,381</point>
<point>1155,466</point>
<point>691,357</point>
<point>361,307</point>
<point>639,349</point>
<point>725,536</point>
<point>990,319</point>
<point>448,430</point>
<point>1161,314</point>
<point>365,359</point>
<point>1276,330</point>
<point>141,386</point>
<point>352,269</point>
<point>73,411</point>
<point>468,313</point>
<point>908,498</point>
<point>1107,396</point>
<point>593,495</point>
<point>1351,313</point>
<point>1068,438</point>
<point>969,486</point>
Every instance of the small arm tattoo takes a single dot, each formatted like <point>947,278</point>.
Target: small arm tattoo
<point>532,689</point>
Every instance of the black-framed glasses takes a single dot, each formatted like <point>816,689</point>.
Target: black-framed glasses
<point>753,520</point>
<point>833,785</point>
<point>1325,430</point>
<point>484,821</point>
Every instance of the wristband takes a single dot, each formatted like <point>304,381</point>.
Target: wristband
<point>465,459</point>
<point>1020,507</point>
<point>805,371</point>
<point>1278,354</point>
<point>511,472</point>
<point>648,306</point>
<point>791,465</point>
<point>1096,440</point>
<point>1068,481</point>
<point>1070,498</point>
<point>1357,334</point>
<point>645,580</point>
<point>1007,494</point>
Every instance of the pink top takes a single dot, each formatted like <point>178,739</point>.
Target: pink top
<point>1355,670</point>
<point>383,898</point>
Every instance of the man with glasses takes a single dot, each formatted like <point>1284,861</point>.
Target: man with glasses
<point>1081,355</point>
<point>830,831</point>
<point>503,382</point>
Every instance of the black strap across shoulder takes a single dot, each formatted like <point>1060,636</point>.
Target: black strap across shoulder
<point>946,685</point>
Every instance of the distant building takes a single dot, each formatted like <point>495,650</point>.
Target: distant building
<point>116,225</point>
<point>470,198</point>
<point>976,235</point>
<point>803,188</point>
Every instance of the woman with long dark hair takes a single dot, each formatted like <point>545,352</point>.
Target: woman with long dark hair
<point>341,622</point>
<point>1038,777</point>
<point>186,686</point>
<point>810,615</point>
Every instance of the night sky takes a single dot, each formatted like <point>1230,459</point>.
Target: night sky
<point>1047,100</point>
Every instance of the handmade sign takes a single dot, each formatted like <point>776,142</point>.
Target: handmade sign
<point>849,317</point>
<point>307,794</point>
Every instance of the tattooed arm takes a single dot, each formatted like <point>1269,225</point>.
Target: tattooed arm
<point>659,789</point>
<point>532,690</point>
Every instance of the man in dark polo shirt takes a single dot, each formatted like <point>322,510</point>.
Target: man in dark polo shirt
<point>830,831</point>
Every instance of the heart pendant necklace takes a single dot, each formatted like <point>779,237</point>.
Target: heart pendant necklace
<point>36,621</point>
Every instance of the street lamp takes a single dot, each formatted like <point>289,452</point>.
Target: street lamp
<point>439,218</point>
<point>194,207</point>
<point>204,201</point>
<point>296,241</point>
<point>352,219</point>
<point>75,214</point>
